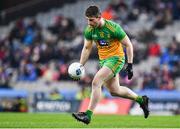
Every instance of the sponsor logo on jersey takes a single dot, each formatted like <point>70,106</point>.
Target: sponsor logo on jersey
<point>103,42</point>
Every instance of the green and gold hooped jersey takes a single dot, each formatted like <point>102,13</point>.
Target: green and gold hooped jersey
<point>107,39</point>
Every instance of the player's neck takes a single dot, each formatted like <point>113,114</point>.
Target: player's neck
<point>101,23</point>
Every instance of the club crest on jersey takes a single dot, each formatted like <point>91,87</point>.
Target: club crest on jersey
<point>103,42</point>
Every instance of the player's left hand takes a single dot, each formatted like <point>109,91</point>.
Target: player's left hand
<point>129,70</point>
<point>76,79</point>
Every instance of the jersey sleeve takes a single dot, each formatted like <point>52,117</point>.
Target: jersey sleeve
<point>88,33</point>
<point>119,33</point>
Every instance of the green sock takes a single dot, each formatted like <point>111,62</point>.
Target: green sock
<point>139,99</point>
<point>89,113</point>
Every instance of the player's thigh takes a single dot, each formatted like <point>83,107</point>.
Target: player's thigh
<point>102,75</point>
<point>113,84</point>
<point>114,63</point>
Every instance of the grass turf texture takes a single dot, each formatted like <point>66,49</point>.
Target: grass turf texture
<point>47,120</point>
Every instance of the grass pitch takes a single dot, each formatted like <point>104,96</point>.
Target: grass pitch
<point>47,120</point>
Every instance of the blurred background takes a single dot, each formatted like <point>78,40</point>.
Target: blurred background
<point>39,39</point>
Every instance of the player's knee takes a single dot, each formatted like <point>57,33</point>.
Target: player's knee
<point>95,83</point>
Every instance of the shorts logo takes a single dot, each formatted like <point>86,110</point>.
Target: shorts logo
<point>103,42</point>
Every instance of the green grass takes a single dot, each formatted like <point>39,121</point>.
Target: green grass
<point>47,120</point>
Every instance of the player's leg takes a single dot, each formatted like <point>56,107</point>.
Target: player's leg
<point>122,91</point>
<point>101,76</point>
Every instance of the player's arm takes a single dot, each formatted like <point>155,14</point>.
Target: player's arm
<point>124,39</point>
<point>121,35</point>
<point>129,51</point>
<point>86,51</point>
<point>129,48</point>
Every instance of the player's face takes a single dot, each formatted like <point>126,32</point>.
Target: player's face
<point>93,21</point>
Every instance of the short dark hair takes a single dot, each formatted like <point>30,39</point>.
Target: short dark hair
<point>92,11</point>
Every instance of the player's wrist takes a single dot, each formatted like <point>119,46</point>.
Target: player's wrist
<point>130,65</point>
<point>81,63</point>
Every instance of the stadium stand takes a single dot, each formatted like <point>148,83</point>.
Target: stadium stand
<point>35,51</point>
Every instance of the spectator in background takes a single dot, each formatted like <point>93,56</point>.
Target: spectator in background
<point>63,72</point>
<point>166,80</point>
<point>167,83</point>
<point>2,51</point>
<point>154,49</point>
<point>170,55</point>
<point>20,105</point>
<point>149,82</point>
<point>18,31</point>
<point>176,70</point>
<point>51,73</point>
<point>85,86</point>
<point>83,93</point>
<point>63,27</point>
<point>55,95</point>
<point>5,77</point>
<point>27,71</point>
<point>147,36</point>
<point>108,13</point>
<point>176,9</point>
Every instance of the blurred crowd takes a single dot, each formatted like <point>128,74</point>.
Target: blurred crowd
<point>30,52</point>
<point>161,13</point>
<point>17,104</point>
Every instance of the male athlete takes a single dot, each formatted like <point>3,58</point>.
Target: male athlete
<point>109,38</point>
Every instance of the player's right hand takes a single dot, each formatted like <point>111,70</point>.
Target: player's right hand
<point>129,70</point>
